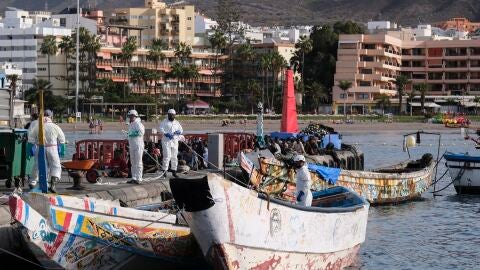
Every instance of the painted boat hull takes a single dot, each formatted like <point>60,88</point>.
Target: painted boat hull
<point>377,188</point>
<point>128,231</point>
<point>239,230</point>
<point>468,174</point>
<point>65,249</point>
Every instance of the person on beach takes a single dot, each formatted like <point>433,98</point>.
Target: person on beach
<point>171,130</point>
<point>136,130</point>
<point>54,149</point>
<point>303,194</point>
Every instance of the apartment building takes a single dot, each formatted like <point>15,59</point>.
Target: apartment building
<point>206,85</point>
<point>461,24</point>
<point>172,23</point>
<point>6,70</point>
<point>21,35</point>
<point>372,63</point>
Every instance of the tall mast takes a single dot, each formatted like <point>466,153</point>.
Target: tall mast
<point>77,60</point>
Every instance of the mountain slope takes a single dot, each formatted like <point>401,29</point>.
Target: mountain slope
<point>286,12</point>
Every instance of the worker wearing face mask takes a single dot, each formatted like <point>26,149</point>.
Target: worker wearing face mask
<point>136,130</point>
<point>171,130</point>
<point>303,193</point>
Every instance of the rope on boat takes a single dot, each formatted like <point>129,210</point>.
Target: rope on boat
<point>459,175</point>
<point>238,181</point>
<point>441,177</point>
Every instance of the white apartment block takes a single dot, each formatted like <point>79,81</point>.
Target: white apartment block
<point>7,69</point>
<point>21,35</point>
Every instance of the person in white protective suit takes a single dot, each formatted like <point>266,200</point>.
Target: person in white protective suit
<point>171,130</point>
<point>54,149</point>
<point>136,130</point>
<point>32,151</point>
<point>303,194</point>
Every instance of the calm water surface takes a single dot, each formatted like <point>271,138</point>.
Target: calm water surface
<point>433,233</point>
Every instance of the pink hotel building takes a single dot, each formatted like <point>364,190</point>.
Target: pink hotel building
<point>372,62</point>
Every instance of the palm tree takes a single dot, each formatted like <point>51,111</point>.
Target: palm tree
<point>156,55</point>
<point>183,52</point>
<point>67,48</point>
<point>252,87</point>
<point>91,47</point>
<point>218,42</point>
<point>191,73</point>
<point>278,64</point>
<point>49,47</point>
<point>266,65</point>
<point>128,48</point>
<point>303,46</point>
<point>400,82</point>
<point>177,73</point>
<point>317,92</point>
<point>383,101</point>
<point>411,96</point>
<point>421,88</point>
<point>345,85</point>
<point>38,85</point>
<point>13,79</point>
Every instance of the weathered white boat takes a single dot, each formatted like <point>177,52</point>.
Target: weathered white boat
<point>95,234</point>
<point>402,182</point>
<point>238,228</point>
<point>465,172</point>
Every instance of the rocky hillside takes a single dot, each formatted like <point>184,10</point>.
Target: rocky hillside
<point>287,12</point>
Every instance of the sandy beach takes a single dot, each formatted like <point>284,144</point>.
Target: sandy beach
<point>204,125</point>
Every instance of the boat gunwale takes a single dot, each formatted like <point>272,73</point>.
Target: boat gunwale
<point>326,210</point>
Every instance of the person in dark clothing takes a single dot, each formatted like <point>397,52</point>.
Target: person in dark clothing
<point>311,147</point>
<point>33,117</point>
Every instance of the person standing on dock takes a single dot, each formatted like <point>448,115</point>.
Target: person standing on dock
<point>136,130</point>
<point>54,149</point>
<point>171,130</point>
<point>303,193</point>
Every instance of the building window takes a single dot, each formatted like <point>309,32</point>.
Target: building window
<point>189,28</point>
<point>63,22</point>
<point>342,96</point>
<point>365,83</point>
<point>366,71</point>
<point>362,96</point>
<point>189,18</point>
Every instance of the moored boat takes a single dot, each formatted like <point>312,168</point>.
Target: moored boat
<point>464,170</point>
<point>239,228</point>
<point>75,232</point>
<point>399,183</point>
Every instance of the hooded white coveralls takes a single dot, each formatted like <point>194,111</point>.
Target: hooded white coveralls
<point>170,146</point>
<point>304,182</point>
<point>136,146</point>
<point>53,136</point>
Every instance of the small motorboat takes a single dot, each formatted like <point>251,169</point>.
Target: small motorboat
<point>464,170</point>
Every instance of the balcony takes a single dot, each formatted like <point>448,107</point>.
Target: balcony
<point>172,91</point>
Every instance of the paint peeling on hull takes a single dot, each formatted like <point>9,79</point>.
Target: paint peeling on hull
<point>234,257</point>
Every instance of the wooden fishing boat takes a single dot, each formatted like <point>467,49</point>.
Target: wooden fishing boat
<point>239,228</point>
<point>94,234</point>
<point>398,183</point>
<point>464,170</point>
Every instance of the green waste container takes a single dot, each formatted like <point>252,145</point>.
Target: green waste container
<point>27,160</point>
<point>13,165</point>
